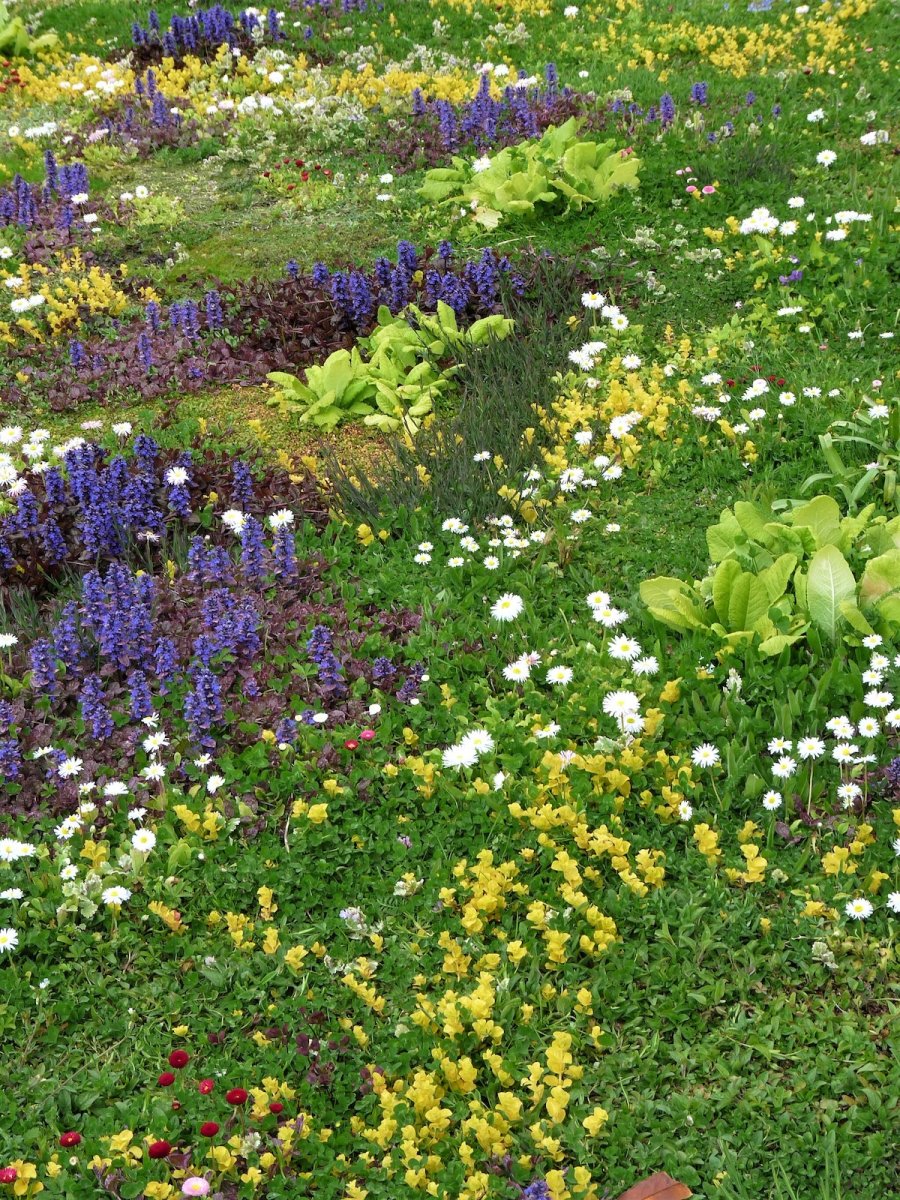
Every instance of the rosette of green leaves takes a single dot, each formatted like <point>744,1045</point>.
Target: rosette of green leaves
<point>778,578</point>
<point>391,379</point>
<point>554,174</point>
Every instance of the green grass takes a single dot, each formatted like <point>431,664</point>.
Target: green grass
<point>732,1054</point>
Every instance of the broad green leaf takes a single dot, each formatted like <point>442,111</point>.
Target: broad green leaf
<point>775,578</point>
<point>752,520</point>
<point>854,618</point>
<point>829,583</point>
<point>722,538</point>
<point>881,576</point>
<point>771,646</point>
<point>723,582</point>
<point>665,597</point>
<point>748,602</point>
<point>822,515</point>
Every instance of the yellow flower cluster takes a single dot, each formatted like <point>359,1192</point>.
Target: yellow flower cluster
<point>397,84</point>
<point>820,41</point>
<point>72,291</point>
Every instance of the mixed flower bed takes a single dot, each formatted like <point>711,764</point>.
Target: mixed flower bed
<point>449,601</point>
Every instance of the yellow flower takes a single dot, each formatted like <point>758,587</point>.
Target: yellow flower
<point>156,1190</point>
<point>595,1121</point>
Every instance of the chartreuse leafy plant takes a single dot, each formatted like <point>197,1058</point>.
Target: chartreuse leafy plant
<point>391,379</point>
<point>555,174</point>
<point>775,577</point>
<point>16,41</point>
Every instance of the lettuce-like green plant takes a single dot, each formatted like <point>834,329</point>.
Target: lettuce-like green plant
<point>556,173</point>
<point>16,41</point>
<point>396,386</point>
<point>774,577</point>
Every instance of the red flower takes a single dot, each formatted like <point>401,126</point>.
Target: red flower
<point>205,1086</point>
<point>209,1129</point>
<point>351,744</point>
<point>160,1149</point>
<point>237,1096</point>
<point>179,1059</point>
<point>70,1139</point>
<point>8,1174</point>
<point>166,1079</point>
<point>276,1107</point>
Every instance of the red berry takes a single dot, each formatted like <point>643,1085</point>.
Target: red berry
<point>327,173</point>
<point>266,174</point>
<point>179,1059</point>
<point>205,1086</point>
<point>176,1105</point>
<point>351,744</point>
<point>276,1107</point>
<point>159,1150</point>
<point>780,382</point>
<point>166,1079</point>
<point>304,176</point>
<point>291,186</point>
<point>298,162</point>
<point>237,1095</point>
<point>209,1129</point>
<point>70,1139</point>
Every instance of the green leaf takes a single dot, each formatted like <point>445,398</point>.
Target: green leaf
<point>748,602</point>
<point>722,538</point>
<point>723,582</point>
<point>771,646</point>
<point>881,576</point>
<point>775,578</point>
<point>829,583</point>
<point>854,618</point>
<point>179,856</point>
<point>822,515</point>
<point>669,600</point>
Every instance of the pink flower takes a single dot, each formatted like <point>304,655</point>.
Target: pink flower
<point>690,189</point>
<point>709,190</point>
<point>195,1186</point>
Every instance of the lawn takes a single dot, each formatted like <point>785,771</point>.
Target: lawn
<point>449,600</point>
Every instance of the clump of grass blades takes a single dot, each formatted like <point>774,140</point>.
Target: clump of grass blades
<point>734,1186</point>
<point>500,385</point>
